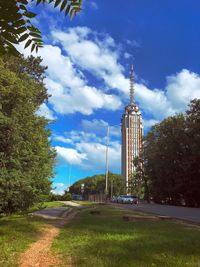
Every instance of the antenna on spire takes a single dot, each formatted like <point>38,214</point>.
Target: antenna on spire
<point>132,85</point>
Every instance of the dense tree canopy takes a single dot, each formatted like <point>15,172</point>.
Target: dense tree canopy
<point>26,158</point>
<point>16,22</point>
<point>96,185</point>
<point>172,156</point>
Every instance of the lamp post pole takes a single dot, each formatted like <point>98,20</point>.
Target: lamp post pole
<point>107,143</point>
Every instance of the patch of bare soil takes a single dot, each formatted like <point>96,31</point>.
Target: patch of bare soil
<point>38,254</point>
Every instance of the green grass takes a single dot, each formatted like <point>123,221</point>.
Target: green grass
<point>106,240</point>
<point>84,202</point>
<point>16,233</point>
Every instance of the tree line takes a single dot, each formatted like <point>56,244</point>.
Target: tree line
<point>26,156</point>
<point>171,160</point>
<point>96,185</point>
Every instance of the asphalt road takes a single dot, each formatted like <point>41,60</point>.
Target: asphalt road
<point>183,213</point>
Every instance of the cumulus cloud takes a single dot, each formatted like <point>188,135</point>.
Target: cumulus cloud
<point>45,111</point>
<point>89,151</point>
<point>85,51</point>
<point>69,88</point>
<point>70,155</point>
<point>181,88</point>
<point>62,139</point>
<point>100,127</point>
<point>97,54</point>
<point>149,123</point>
<point>100,56</point>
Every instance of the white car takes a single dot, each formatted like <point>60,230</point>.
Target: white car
<point>125,199</point>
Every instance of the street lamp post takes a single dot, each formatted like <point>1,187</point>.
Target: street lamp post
<point>107,144</point>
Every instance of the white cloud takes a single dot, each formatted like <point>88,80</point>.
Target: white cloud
<point>153,102</point>
<point>70,155</point>
<point>181,88</point>
<point>59,184</point>
<point>89,150</point>
<point>45,111</point>
<point>68,87</point>
<point>127,55</point>
<point>96,155</point>
<point>62,139</point>
<point>100,127</point>
<point>149,123</point>
<point>99,55</point>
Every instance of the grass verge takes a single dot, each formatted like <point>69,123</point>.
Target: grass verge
<point>16,233</point>
<point>105,240</point>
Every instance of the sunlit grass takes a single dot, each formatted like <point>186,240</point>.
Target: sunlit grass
<point>16,233</point>
<point>106,240</point>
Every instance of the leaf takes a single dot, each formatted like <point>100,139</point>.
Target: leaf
<point>34,34</point>
<point>72,13</point>
<point>57,3</point>
<point>33,47</point>
<point>67,10</point>
<point>23,37</point>
<point>20,22</point>
<point>38,2</point>
<point>21,30</point>
<point>64,3</point>
<point>22,7</point>
<point>23,1</point>
<point>33,29</point>
<point>27,43</point>
<point>29,14</point>
<point>36,40</point>
<point>9,37</point>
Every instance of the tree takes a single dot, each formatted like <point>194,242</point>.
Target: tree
<point>26,158</point>
<point>172,156</point>
<point>96,185</point>
<point>164,151</point>
<point>16,22</point>
<point>138,181</point>
<point>191,189</point>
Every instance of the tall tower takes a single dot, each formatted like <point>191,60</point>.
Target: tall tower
<point>132,132</point>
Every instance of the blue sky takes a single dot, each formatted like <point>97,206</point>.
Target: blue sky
<point>89,61</point>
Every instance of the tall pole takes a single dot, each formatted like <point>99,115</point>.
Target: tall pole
<point>107,143</point>
<point>70,168</point>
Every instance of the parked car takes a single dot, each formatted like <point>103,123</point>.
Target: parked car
<point>125,199</point>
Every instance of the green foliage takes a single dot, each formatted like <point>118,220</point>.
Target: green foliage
<point>171,156</point>
<point>16,22</point>
<point>65,197</point>
<point>138,182</point>
<point>26,158</point>
<point>96,185</point>
<point>106,240</point>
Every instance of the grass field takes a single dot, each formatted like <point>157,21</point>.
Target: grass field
<point>107,240</point>
<point>17,232</point>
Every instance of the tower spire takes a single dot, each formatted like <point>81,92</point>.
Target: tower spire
<point>132,85</point>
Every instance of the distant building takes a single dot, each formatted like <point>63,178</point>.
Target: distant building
<point>132,132</point>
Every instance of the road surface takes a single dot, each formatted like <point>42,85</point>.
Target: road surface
<point>182,213</point>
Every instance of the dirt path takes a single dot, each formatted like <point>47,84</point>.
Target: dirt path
<point>38,254</point>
